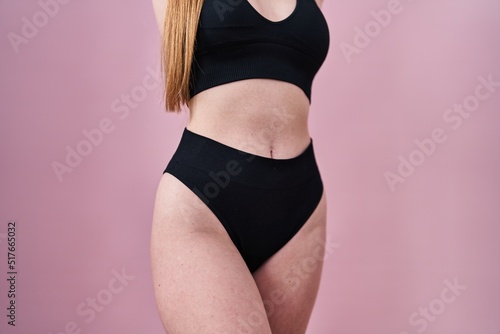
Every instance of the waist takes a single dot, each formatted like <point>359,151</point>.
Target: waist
<point>263,117</point>
<point>199,155</point>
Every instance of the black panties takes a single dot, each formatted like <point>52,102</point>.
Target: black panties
<point>261,202</point>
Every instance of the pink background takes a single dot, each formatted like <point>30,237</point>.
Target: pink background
<point>393,251</point>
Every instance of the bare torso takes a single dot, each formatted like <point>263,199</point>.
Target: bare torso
<point>261,116</point>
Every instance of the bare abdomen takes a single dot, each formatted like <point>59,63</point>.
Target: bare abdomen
<point>260,116</point>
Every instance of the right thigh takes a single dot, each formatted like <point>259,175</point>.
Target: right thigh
<point>201,283</point>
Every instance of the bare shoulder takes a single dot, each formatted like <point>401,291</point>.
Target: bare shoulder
<point>159,7</point>
<point>319,2</point>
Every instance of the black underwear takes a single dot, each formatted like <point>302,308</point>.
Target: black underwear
<point>261,202</point>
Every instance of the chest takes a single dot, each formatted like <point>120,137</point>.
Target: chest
<point>226,23</point>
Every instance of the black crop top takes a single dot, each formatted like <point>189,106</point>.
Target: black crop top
<point>235,42</point>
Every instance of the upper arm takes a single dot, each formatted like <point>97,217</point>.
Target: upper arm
<point>159,7</point>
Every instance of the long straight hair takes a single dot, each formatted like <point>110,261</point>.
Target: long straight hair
<point>177,49</point>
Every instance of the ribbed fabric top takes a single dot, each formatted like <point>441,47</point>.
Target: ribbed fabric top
<point>235,42</point>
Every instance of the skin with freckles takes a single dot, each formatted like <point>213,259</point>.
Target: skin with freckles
<point>202,284</point>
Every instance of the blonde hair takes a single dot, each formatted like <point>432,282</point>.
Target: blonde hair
<point>177,49</point>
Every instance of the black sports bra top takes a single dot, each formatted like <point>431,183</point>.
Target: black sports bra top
<point>235,42</point>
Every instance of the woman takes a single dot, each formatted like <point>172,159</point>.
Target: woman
<point>239,219</point>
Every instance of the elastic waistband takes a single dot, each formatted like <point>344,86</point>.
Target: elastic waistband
<point>210,156</point>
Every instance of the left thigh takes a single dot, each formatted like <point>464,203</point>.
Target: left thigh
<point>289,280</point>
